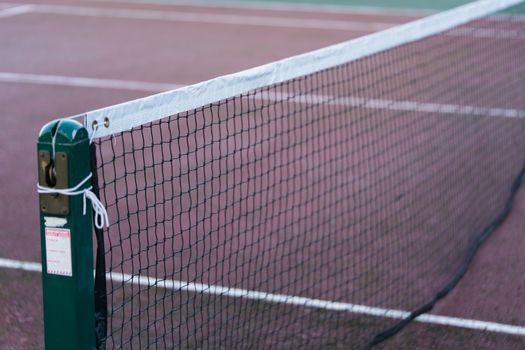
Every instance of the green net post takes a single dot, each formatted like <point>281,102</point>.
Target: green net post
<point>66,238</point>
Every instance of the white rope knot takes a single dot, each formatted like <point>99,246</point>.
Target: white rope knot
<point>101,214</point>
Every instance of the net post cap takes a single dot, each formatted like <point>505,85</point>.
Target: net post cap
<point>68,132</point>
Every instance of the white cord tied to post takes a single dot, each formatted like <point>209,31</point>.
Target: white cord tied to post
<point>101,214</point>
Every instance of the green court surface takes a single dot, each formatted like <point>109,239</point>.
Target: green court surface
<point>380,4</point>
<point>397,4</point>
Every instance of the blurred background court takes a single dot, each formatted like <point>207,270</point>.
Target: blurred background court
<point>59,58</point>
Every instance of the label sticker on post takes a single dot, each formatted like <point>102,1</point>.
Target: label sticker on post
<point>58,251</point>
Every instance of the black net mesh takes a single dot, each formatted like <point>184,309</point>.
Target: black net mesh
<point>285,217</point>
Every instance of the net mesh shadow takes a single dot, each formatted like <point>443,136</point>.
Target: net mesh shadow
<point>366,184</point>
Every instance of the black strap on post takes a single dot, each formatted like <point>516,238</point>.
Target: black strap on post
<point>101,304</point>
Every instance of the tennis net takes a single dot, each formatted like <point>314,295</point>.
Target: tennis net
<point>322,201</point>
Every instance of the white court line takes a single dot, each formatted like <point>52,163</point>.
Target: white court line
<point>241,20</point>
<point>213,18</point>
<point>346,101</point>
<point>15,11</point>
<point>487,33</point>
<point>286,299</point>
<point>85,82</point>
<point>408,106</point>
<point>282,6</point>
<point>20,265</point>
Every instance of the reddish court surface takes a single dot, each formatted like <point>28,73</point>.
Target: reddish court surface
<point>166,50</point>
<point>124,49</point>
<point>46,42</point>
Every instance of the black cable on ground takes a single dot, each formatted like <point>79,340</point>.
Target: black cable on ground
<point>486,233</point>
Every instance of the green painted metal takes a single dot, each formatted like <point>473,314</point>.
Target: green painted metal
<point>69,320</point>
